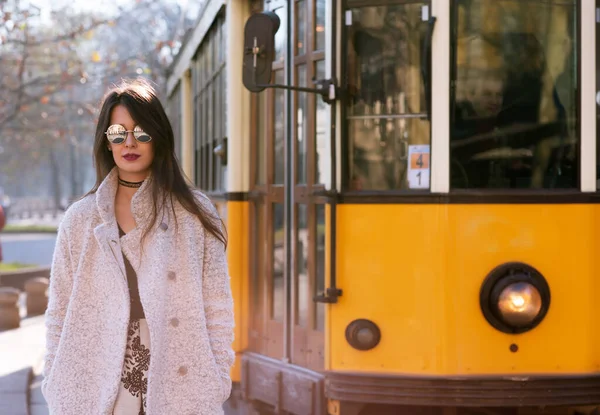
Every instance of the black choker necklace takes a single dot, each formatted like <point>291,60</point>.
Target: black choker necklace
<point>130,184</point>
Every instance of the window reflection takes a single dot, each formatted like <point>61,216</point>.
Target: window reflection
<point>278,257</point>
<point>320,262</point>
<point>386,107</point>
<point>320,25</point>
<point>300,24</point>
<point>322,160</point>
<point>279,121</point>
<point>261,139</point>
<point>210,121</point>
<point>259,244</point>
<point>514,113</point>
<point>280,36</point>
<point>301,127</point>
<point>302,287</point>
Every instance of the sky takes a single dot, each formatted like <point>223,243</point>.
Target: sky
<point>89,5</point>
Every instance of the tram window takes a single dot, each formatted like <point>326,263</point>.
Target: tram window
<point>386,108</point>
<point>322,161</point>
<point>514,109</point>
<point>301,126</point>
<point>261,139</point>
<point>320,262</point>
<point>302,270</point>
<point>280,36</point>
<point>279,130</point>
<point>209,89</point>
<point>278,261</point>
<point>320,25</point>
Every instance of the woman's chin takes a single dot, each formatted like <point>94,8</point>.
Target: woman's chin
<point>131,170</point>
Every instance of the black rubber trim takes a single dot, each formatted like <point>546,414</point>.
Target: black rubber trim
<point>459,197</point>
<point>469,197</point>
<point>229,196</point>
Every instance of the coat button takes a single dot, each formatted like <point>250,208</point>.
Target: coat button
<point>182,370</point>
<point>164,226</point>
<point>171,275</point>
<point>174,322</point>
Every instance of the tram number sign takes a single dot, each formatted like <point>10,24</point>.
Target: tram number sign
<point>418,166</point>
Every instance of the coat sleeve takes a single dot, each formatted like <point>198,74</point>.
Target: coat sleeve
<point>59,292</point>
<point>218,305</point>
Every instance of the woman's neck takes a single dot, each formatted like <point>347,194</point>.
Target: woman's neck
<point>125,193</point>
<point>129,184</point>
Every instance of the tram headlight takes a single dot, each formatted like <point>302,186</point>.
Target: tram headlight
<point>363,334</point>
<point>514,298</point>
<point>519,304</point>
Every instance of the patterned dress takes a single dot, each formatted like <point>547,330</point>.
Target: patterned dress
<point>131,399</point>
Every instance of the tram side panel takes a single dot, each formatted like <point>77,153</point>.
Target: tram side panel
<point>417,271</point>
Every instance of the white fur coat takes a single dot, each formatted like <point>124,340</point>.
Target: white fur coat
<point>185,291</point>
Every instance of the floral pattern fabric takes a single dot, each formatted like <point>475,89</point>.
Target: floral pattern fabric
<point>134,378</point>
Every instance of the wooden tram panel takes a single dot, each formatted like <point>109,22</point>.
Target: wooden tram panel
<point>288,389</point>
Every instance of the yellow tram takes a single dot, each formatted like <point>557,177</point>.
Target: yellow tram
<point>410,189</point>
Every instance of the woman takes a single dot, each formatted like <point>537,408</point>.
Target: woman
<point>140,313</point>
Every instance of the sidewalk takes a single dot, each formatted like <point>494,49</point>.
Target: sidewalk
<point>20,368</point>
<point>45,220</point>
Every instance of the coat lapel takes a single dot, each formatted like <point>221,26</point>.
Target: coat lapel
<point>109,244</point>
<point>107,233</point>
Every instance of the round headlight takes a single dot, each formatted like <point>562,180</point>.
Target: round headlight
<point>519,304</point>
<point>514,298</point>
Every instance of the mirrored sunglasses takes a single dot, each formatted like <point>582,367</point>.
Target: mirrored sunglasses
<point>117,134</point>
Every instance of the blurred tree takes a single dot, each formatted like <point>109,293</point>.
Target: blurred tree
<point>55,67</point>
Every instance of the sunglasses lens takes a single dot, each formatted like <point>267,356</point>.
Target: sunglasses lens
<point>140,135</point>
<point>116,134</point>
<point>116,138</point>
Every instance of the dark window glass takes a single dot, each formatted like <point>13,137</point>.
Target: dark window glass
<point>279,120</point>
<point>301,126</point>
<point>209,97</point>
<point>278,264</point>
<point>386,111</point>
<point>302,281</point>
<point>514,108</point>
<point>320,25</point>
<point>300,27</point>
<point>320,262</point>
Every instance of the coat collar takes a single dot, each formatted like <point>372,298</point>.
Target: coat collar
<point>141,202</point>
<point>107,232</point>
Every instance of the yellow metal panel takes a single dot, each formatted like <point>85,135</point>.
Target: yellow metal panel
<point>390,265</point>
<point>558,240</point>
<point>237,257</point>
<point>416,271</point>
<point>327,274</point>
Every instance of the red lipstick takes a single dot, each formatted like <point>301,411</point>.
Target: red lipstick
<point>131,157</point>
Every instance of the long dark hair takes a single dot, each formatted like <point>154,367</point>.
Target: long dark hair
<point>141,100</point>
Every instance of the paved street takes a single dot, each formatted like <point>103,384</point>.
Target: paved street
<point>22,353</point>
<point>35,249</point>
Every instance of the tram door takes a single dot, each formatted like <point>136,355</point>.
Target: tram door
<point>290,154</point>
